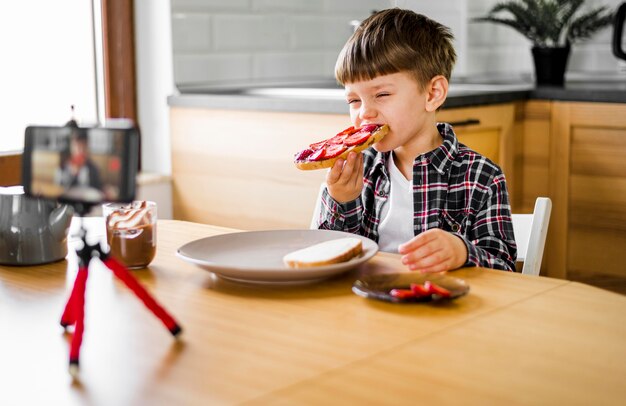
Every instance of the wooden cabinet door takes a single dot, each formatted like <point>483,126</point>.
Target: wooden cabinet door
<point>588,188</point>
<point>488,130</point>
<point>485,141</point>
<point>235,168</point>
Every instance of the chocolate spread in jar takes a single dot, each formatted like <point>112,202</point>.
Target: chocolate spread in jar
<point>131,234</point>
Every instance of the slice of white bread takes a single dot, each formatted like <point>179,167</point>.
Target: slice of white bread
<point>325,253</point>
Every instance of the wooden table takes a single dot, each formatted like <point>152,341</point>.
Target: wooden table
<point>515,339</point>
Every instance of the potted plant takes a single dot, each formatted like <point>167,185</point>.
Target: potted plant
<point>552,26</point>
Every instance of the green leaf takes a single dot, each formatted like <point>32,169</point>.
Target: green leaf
<point>588,24</point>
<point>549,22</point>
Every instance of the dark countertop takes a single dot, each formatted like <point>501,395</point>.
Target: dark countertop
<point>325,96</point>
<point>600,91</point>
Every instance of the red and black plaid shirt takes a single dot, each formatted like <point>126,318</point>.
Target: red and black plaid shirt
<point>454,188</point>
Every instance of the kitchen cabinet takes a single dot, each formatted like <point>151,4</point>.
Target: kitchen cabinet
<point>234,168</point>
<point>533,154</point>
<point>533,126</point>
<point>587,183</point>
<point>491,131</point>
<point>573,152</point>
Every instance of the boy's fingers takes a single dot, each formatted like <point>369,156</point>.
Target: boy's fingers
<point>442,251</point>
<point>348,169</point>
<point>424,256</point>
<point>416,242</point>
<point>358,178</point>
<point>430,260</point>
<point>348,172</point>
<point>335,172</point>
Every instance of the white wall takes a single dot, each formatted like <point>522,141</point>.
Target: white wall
<point>155,82</point>
<point>243,40</point>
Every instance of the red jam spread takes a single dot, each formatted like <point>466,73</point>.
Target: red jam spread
<point>336,145</point>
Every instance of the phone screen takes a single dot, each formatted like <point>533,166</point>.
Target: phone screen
<point>81,164</point>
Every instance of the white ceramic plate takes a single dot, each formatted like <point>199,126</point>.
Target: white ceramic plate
<point>257,256</point>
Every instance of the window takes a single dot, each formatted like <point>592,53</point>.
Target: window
<point>47,50</point>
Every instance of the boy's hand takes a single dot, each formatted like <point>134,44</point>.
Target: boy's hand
<point>345,178</point>
<point>434,250</point>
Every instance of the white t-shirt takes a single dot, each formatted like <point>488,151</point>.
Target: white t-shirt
<point>396,225</point>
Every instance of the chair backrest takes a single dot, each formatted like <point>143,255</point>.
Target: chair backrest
<point>318,206</point>
<point>530,235</point>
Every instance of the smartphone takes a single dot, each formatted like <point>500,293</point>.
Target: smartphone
<point>88,165</point>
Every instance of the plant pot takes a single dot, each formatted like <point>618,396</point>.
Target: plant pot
<point>550,65</point>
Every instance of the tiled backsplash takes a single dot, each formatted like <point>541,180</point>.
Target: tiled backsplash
<point>217,41</point>
<point>226,40</point>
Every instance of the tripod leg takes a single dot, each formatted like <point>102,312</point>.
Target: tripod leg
<point>79,313</point>
<point>122,273</point>
<point>69,315</point>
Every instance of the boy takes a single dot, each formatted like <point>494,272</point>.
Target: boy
<point>417,191</point>
<point>78,168</point>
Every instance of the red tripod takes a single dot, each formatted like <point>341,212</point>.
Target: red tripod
<point>74,312</point>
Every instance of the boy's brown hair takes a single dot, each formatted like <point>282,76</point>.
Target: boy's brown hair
<point>397,40</point>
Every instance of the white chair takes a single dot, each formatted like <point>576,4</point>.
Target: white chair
<point>530,235</point>
<point>318,206</point>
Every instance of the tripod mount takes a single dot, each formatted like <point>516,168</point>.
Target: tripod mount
<point>74,313</point>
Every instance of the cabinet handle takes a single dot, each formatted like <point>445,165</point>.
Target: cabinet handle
<point>469,121</point>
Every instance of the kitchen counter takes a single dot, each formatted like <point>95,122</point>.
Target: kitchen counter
<point>324,96</point>
<point>598,91</point>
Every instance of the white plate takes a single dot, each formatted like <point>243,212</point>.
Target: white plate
<point>257,256</point>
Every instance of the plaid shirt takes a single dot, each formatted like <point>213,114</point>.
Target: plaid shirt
<point>454,188</point>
